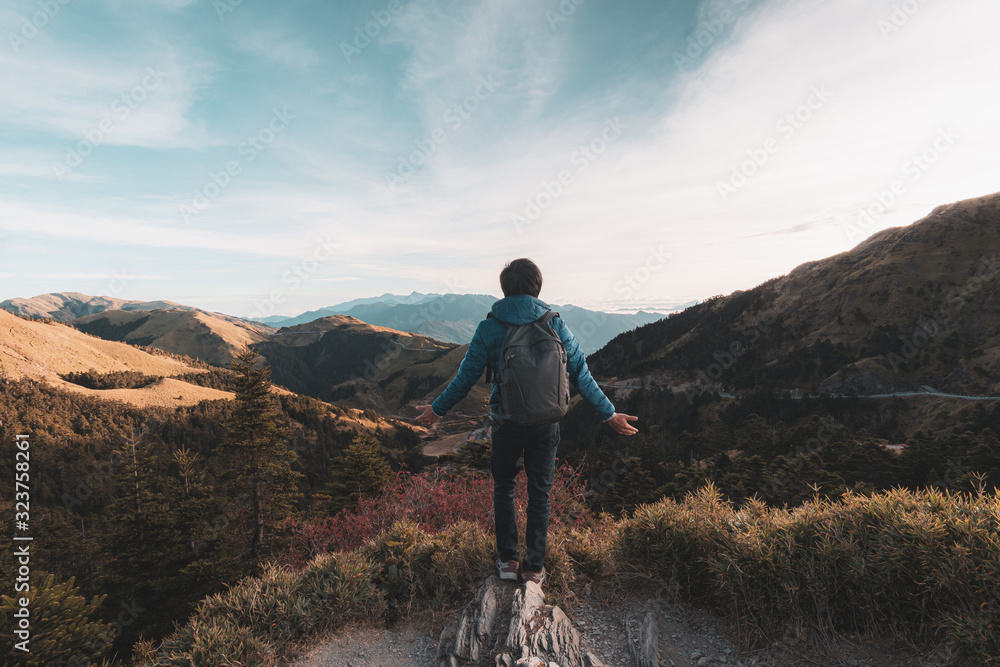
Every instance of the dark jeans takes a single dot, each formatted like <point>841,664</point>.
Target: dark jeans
<point>533,448</point>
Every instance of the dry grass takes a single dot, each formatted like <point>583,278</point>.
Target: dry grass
<point>45,350</point>
<point>211,337</point>
<point>39,349</point>
<point>921,567</point>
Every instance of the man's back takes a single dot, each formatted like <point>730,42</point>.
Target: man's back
<point>487,344</point>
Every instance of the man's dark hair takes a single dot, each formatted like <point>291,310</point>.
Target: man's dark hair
<point>521,276</point>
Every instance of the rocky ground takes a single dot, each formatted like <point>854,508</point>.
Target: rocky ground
<point>612,630</point>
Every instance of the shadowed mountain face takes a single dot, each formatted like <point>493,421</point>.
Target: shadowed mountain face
<point>344,360</point>
<point>910,307</point>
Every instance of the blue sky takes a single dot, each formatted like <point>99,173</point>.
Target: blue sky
<point>269,158</point>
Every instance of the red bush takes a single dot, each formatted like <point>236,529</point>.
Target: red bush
<point>433,500</point>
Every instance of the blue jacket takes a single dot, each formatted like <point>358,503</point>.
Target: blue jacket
<point>485,347</point>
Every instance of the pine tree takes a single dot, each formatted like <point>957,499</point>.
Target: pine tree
<point>63,629</point>
<point>259,457</point>
<point>361,472</point>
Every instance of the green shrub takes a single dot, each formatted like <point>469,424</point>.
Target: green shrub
<point>112,380</point>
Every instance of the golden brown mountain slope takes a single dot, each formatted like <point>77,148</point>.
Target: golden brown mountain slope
<point>46,350</point>
<point>210,337</point>
<point>344,360</point>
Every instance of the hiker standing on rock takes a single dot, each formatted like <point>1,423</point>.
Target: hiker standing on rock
<point>532,356</point>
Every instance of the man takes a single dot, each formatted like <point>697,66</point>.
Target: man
<point>513,443</point>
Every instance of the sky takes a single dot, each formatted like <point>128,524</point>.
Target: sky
<point>259,158</point>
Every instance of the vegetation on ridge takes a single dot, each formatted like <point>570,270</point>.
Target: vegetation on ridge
<point>917,567</point>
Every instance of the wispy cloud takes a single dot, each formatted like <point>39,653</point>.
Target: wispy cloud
<point>145,101</point>
<point>394,109</point>
<point>273,44</point>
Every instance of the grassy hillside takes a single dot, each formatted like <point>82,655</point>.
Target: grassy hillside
<point>210,337</point>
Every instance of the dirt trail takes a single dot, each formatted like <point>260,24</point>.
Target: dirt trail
<point>687,637</point>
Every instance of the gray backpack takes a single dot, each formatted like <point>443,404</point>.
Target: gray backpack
<point>532,374</point>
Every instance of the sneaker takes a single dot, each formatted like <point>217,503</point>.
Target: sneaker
<point>537,577</point>
<point>507,569</point>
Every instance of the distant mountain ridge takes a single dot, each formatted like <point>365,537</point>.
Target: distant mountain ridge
<point>67,306</point>
<point>453,318</point>
<point>341,308</point>
<point>211,336</point>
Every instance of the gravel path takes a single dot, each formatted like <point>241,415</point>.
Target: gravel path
<point>410,644</point>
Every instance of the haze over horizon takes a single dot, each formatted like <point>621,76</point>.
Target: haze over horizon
<point>258,160</point>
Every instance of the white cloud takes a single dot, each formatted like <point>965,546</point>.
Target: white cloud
<point>654,186</point>
<point>889,100</point>
<point>273,44</point>
<point>145,99</point>
<point>141,229</point>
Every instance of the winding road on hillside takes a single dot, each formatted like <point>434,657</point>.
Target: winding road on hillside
<point>678,389</point>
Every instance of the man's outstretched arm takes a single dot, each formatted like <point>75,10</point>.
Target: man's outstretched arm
<point>469,371</point>
<point>579,374</point>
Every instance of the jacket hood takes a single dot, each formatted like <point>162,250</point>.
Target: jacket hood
<point>519,309</point>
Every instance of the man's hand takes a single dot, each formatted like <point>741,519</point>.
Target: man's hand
<point>427,416</point>
<point>620,423</point>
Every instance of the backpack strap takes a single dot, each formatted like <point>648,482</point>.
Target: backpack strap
<point>489,369</point>
<point>547,317</point>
